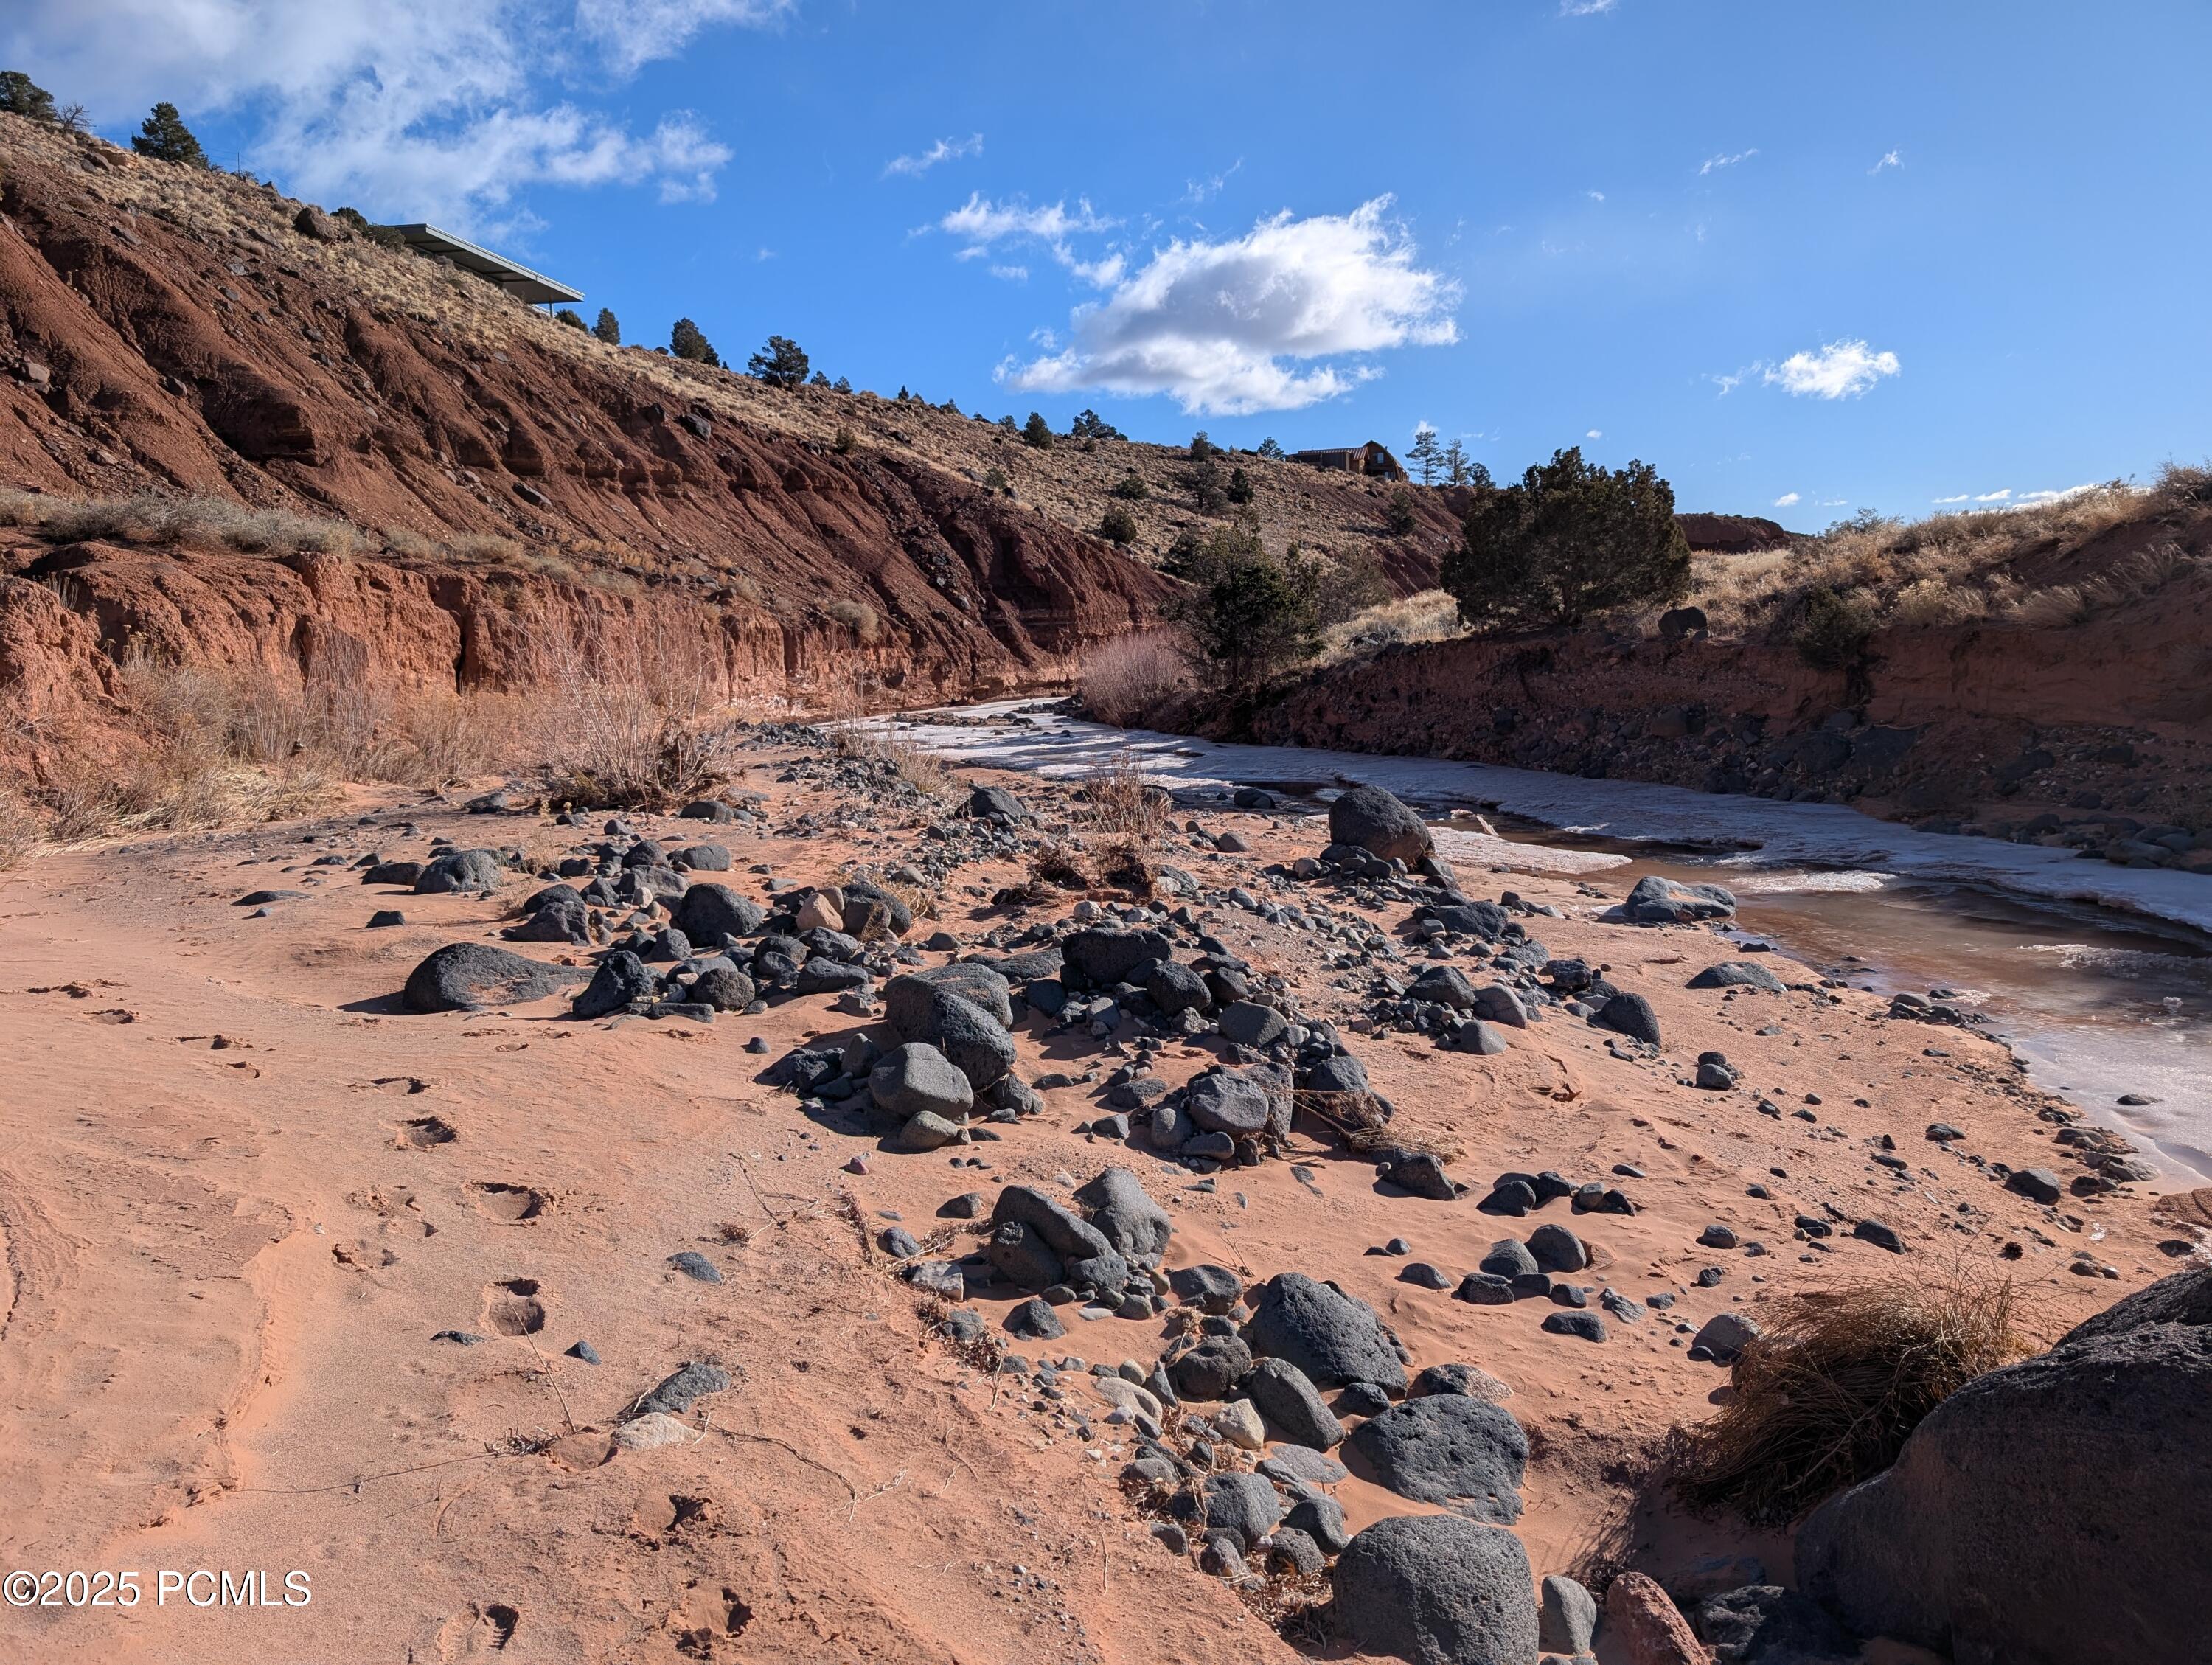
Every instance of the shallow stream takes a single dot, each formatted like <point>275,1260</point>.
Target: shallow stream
<point>2099,977</point>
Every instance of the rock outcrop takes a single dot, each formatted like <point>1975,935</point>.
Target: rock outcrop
<point>2057,1511</point>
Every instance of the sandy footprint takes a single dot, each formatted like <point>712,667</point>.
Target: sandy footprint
<point>485,1630</point>
<point>424,1132</point>
<point>512,1306</point>
<point>509,1205</point>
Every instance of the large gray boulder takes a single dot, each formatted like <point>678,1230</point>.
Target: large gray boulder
<point>1087,1261</point>
<point>1225,1102</point>
<point>1246,1504</point>
<point>708,913</point>
<point>1293,1404</point>
<point>1376,822</point>
<point>623,982</point>
<point>2057,1511</point>
<point>908,1005</point>
<point>467,976</point>
<point>459,869</point>
<point>1437,1590</point>
<point>1125,1217</point>
<point>1334,1338</point>
<point>1448,1448</point>
<point>917,1077</point>
<point>1099,958</point>
<point>1739,974</point>
<point>1657,901</point>
<point>962,1010</point>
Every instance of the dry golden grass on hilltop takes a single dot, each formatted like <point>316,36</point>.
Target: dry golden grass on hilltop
<point>1957,568</point>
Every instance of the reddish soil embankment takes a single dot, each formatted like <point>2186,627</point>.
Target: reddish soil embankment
<point>170,331</point>
<point>2111,720</point>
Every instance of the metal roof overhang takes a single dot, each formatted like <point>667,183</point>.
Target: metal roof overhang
<point>519,282</point>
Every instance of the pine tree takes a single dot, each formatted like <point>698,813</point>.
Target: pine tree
<point>1117,525</point>
<point>609,328</point>
<point>1240,486</point>
<point>1201,447</point>
<point>780,364</point>
<point>1036,433</point>
<point>1270,450</point>
<point>20,95</point>
<point>841,386</point>
<point>685,341</point>
<point>1425,454</point>
<point>817,379</point>
<point>570,316</point>
<point>164,136</point>
<point>1455,465</point>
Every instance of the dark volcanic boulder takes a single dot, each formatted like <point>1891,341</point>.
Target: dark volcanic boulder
<point>2057,1511</point>
<point>917,1077</point>
<point>1225,1102</point>
<point>1657,901</point>
<point>459,869</point>
<point>871,911</point>
<point>1099,958</point>
<point>994,803</point>
<point>1437,1590</point>
<point>556,915</point>
<point>910,1007</point>
<point>623,982</point>
<point>1448,1448</point>
<point>1333,1338</point>
<point>1293,1404</point>
<point>973,1038</point>
<point>1631,1015</point>
<point>708,913</point>
<point>467,976</point>
<point>1739,974</point>
<point>1126,1217</point>
<point>1376,822</point>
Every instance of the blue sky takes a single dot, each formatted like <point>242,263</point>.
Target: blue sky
<point>1805,259</point>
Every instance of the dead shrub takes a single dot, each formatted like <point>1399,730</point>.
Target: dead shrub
<point>857,617</point>
<point>207,523</point>
<point>1118,800</point>
<point>631,718</point>
<point>1127,681</point>
<point>881,740</point>
<point>1826,1397</point>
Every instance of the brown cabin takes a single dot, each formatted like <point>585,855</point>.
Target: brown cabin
<point>1373,460</point>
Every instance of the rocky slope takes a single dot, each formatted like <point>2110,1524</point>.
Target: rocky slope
<point>168,330</point>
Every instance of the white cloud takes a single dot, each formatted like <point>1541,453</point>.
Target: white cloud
<point>1726,384</point>
<point>1841,369</point>
<point>945,151</point>
<point>2031,499</point>
<point>1714,164</point>
<point>1011,274</point>
<point>1223,326</point>
<point>1831,502</point>
<point>410,109</point>
<point>1595,196</point>
<point>1585,8</point>
<point>1196,191</point>
<point>764,253</point>
<point>1595,433</point>
<point>1788,499</point>
<point>981,222</point>
<point>1890,159</point>
<point>1998,496</point>
<point>633,33</point>
<point>1960,498</point>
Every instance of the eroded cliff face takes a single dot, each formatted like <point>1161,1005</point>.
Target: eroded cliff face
<point>2106,723</point>
<point>164,331</point>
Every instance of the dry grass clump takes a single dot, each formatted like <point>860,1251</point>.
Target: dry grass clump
<point>1118,800</point>
<point>208,523</point>
<point>19,830</point>
<point>1127,681</point>
<point>883,741</point>
<point>1826,1397</point>
<point>1428,615</point>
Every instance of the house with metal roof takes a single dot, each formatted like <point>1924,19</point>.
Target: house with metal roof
<point>517,281</point>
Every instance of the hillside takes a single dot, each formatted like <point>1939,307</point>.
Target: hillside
<point>170,331</point>
<point>2041,673</point>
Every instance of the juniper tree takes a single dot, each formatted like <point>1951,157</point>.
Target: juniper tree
<point>685,341</point>
<point>1570,539</point>
<point>20,95</point>
<point>609,328</point>
<point>781,363</point>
